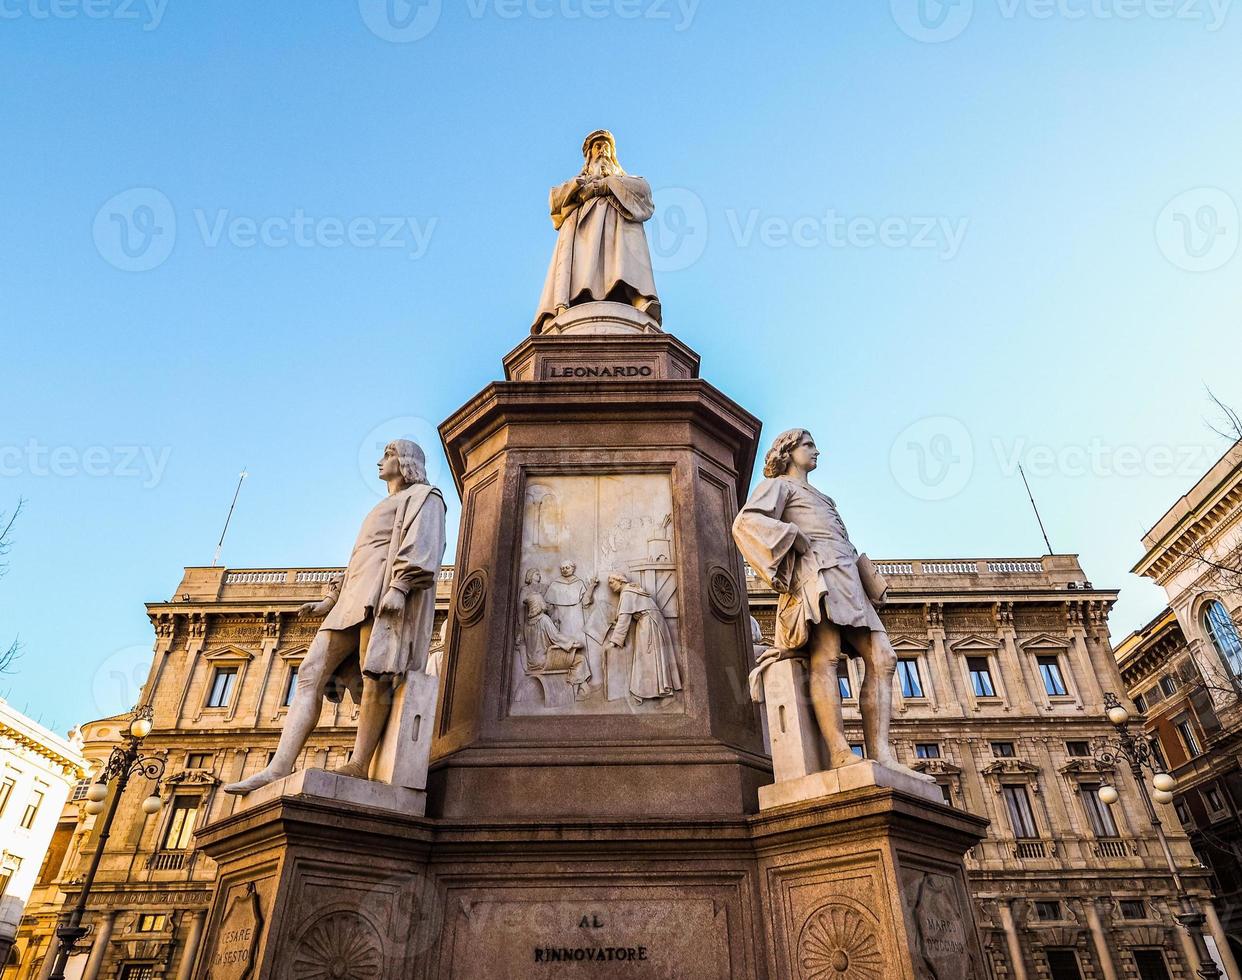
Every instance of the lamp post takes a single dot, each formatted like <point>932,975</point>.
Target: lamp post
<point>126,761</point>
<point>1138,754</point>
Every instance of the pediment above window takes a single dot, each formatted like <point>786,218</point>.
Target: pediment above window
<point>974,644</point>
<point>1044,641</point>
<point>1010,767</point>
<point>229,653</point>
<point>909,644</point>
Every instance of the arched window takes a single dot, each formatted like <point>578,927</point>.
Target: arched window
<point>1224,635</point>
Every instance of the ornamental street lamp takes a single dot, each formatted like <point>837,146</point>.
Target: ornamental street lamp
<point>1138,754</point>
<point>126,761</point>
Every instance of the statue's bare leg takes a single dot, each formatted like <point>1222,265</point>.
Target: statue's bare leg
<point>377,696</point>
<point>327,651</point>
<point>876,697</point>
<point>826,695</point>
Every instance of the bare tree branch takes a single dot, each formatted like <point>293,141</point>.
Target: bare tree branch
<point>9,657</point>
<point>1231,426</point>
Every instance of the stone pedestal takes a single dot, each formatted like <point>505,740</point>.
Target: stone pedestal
<point>593,802</point>
<point>865,884</point>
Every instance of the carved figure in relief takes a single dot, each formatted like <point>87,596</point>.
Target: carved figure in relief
<point>654,672</point>
<point>795,540</point>
<point>549,651</point>
<point>568,599</point>
<point>377,619</point>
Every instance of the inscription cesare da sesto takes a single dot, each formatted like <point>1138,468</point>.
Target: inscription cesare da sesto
<point>591,954</point>
<point>234,946</point>
<point>602,371</point>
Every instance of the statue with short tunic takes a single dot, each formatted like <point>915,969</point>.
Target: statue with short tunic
<point>377,619</point>
<point>601,249</point>
<point>793,537</point>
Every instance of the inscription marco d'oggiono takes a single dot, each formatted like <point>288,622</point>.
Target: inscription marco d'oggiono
<point>602,371</point>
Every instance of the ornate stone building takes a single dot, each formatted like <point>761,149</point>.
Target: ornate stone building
<point>1004,664</point>
<point>1184,669</point>
<point>37,771</point>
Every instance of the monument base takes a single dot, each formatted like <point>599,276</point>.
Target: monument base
<point>866,883</point>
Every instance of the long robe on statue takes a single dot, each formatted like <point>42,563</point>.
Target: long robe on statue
<point>654,672</point>
<point>601,250</point>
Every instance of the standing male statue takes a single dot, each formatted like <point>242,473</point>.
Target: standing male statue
<point>601,250</point>
<point>654,673</point>
<point>793,537</point>
<point>377,619</point>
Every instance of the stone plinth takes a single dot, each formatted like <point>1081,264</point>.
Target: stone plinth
<point>313,887</point>
<point>625,471</point>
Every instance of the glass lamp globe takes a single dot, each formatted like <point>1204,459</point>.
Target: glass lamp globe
<point>1160,796</point>
<point>1164,782</point>
<point>152,804</point>
<point>97,792</point>
<point>1118,715</point>
<point>94,807</point>
<point>1108,794</point>
<point>140,727</point>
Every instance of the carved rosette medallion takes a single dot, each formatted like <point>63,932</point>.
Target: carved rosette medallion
<point>341,945</point>
<point>838,943</point>
<point>472,597</point>
<point>723,593</point>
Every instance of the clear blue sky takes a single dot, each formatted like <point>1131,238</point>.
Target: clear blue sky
<point>986,233</point>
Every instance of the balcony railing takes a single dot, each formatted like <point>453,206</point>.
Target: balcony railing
<point>1031,850</point>
<point>168,860</point>
<point>1113,848</point>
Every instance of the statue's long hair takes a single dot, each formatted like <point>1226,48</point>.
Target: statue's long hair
<point>412,460</point>
<point>776,463</point>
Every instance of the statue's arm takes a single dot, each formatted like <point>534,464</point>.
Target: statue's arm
<point>324,605</point>
<point>564,201</point>
<point>625,616</point>
<point>417,561</point>
<point>765,540</point>
<point>633,196</point>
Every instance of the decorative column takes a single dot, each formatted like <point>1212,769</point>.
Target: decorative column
<point>99,948</point>
<point>1223,948</point>
<point>190,953</point>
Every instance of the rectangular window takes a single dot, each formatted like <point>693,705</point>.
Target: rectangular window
<point>5,875</point>
<point>1189,739</point>
<point>843,679</point>
<point>1078,750</point>
<point>6,791</point>
<point>32,809</point>
<point>181,819</point>
<point>1132,908</point>
<point>1157,752</point>
<point>1098,813</point>
<point>1215,802</point>
<point>980,677</point>
<point>150,922</point>
<point>1048,911</point>
<point>1021,817</point>
<point>858,750</point>
<point>1140,704</point>
<point>1168,686</point>
<point>911,682</point>
<point>1063,964</point>
<point>222,682</point>
<point>1002,750</point>
<point>946,793</point>
<point>138,971</point>
<point>198,760</point>
<point>1150,963</point>
<point>1183,813</point>
<point>291,686</point>
<point>1050,671</point>
<point>927,750</point>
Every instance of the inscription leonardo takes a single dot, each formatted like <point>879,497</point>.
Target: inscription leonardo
<point>602,371</point>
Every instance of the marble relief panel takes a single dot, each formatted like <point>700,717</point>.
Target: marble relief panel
<point>599,620</point>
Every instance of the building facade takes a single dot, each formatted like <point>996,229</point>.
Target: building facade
<point>999,694</point>
<point>1184,670</point>
<point>38,769</point>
